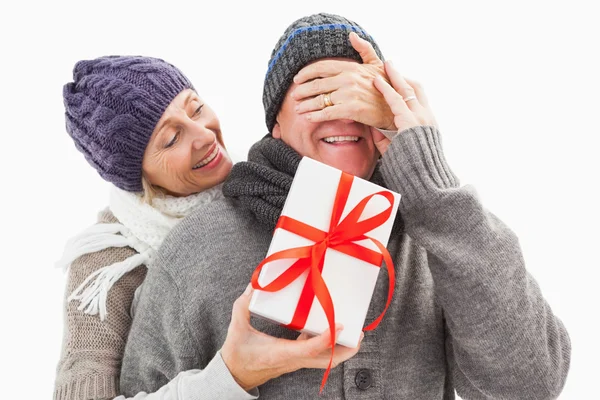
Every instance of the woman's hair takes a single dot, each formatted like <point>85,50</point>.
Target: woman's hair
<point>150,191</point>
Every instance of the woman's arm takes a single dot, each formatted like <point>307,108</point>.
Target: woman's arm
<point>93,349</point>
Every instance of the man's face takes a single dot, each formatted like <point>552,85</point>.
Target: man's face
<point>344,144</point>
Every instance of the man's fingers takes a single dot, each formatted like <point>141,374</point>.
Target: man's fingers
<point>241,311</point>
<point>314,104</point>
<point>365,49</point>
<point>316,87</point>
<point>341,354</point>
<point>312,346</point>
<point>303,336</point>
<point>322,69</point>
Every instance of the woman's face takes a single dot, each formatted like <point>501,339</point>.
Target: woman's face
<point>186,153</point>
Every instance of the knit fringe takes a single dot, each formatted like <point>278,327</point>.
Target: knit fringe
<point>95,238</point>
<point>93,291</point>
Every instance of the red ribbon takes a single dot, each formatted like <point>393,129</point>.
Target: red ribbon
<point>340,237</point>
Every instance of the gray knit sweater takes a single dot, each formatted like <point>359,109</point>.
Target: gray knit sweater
<point>466,315</point>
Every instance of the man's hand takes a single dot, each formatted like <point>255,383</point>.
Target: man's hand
<point>253,357</point>
<point>350,88</point>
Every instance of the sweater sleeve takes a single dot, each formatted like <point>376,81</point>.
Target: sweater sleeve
<point>161,361</point>
<point>92,349</point>
<point>193,384</point>
<point>503,341</point>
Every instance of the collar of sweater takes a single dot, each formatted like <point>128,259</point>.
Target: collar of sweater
<point>150,224</point>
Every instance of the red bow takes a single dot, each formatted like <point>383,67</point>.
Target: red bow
<point>340,237</point>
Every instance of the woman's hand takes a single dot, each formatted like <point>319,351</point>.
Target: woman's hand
<point>350,88</point>
<point>253,357</point>
<point>407,101</point>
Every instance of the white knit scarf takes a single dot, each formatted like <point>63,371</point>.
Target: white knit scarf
<point>141,227</point>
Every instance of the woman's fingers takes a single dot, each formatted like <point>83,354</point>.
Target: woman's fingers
<point>401,86</point>
<point>381,142</point>
<point>396,96</point>
<point>392,97</point>
<point>419,91</point>
<point>407,88</point>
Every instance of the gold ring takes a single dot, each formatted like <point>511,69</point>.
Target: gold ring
<point>327,100</point>
<point>409,98</point>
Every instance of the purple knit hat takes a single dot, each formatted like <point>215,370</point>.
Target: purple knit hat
<point>112,107</point>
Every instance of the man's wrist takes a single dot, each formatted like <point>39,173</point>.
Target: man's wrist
<point>225,355</point>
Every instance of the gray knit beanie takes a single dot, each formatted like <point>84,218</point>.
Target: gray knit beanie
<point>112,107</point>
<point>306,40</point>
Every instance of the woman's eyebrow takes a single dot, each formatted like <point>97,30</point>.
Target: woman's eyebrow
<point>168,120</point>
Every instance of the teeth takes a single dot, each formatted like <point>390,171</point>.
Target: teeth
<point>341,139</point>
<point>207,159</point>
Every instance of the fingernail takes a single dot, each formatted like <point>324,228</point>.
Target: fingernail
<point>248,289</point>
<point>296,79</point>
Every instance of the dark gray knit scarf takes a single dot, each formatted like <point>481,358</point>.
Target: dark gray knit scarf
<point>262,183</point>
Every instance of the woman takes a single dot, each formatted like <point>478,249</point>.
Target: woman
<point>140,123</point>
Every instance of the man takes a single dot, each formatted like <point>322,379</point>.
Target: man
<point>465,313</point>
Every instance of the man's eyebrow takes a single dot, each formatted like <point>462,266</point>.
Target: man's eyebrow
<point>185,104</point>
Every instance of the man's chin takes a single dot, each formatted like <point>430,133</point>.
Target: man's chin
<point>360,169</point>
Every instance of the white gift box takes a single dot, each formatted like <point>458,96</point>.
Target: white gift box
<point>350,281</point>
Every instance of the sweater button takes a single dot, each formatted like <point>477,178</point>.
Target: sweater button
<point>363,379</point>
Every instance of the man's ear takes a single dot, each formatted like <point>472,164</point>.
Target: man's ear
<point>276,131</point>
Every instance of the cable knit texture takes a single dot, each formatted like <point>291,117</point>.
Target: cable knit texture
<point>112,107</point>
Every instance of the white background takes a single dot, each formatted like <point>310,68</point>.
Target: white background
<point>514,86</point>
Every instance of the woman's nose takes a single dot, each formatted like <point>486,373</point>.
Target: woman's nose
<point>202,136</point>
